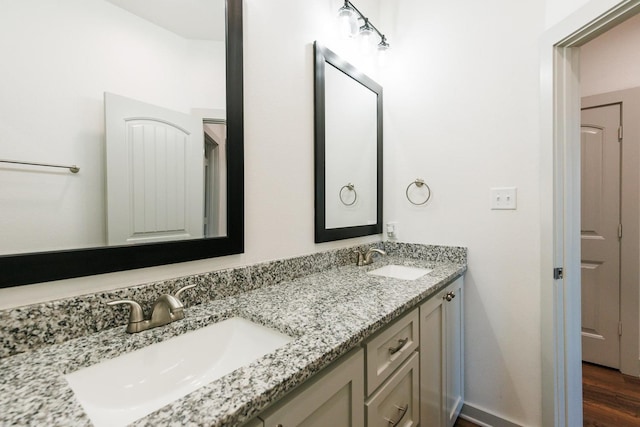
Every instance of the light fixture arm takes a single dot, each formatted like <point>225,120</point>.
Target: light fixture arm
<point>365,19</point>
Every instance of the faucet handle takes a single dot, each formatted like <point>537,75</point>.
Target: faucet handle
<point>184,288</point>
<point>136,314</point>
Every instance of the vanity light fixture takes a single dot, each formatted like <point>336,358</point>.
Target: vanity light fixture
<point>349,15</point>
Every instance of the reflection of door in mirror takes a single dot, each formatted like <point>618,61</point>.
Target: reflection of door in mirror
<point>60,58</point>
<point>215,177</point>
<point>154,172</point>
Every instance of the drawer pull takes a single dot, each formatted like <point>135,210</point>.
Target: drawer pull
<point>449,296</point>
<point>403,411</point>
<point>401,343</point>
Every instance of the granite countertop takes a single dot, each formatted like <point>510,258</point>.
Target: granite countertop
<point>327,313</point>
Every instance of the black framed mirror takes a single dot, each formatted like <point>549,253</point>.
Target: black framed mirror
<point>348,149</point>
<point>42,266</point>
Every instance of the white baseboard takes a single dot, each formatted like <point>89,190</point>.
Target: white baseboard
<point>484,418</point>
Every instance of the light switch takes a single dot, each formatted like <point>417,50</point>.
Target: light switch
<point>503,198</point>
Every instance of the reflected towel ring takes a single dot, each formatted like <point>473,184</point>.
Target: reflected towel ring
<point>418,183</point>
<point>349,187</point>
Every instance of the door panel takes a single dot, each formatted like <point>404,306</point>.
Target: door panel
<point>155,173</point>
<point>600,219</point>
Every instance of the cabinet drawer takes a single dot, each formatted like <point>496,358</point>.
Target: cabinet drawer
<point>388,350</point>
<point>396,404</point>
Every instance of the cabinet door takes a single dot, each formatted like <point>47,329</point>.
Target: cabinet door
<point>454,351</point>
<point>335,398</point>
<point>432,362</point>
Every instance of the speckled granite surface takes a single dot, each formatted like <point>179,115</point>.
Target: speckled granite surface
<point>328,313</point>
<point>31,327</point>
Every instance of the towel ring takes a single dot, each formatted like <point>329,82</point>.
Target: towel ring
<point>418,183</point>
<point>349,187</point>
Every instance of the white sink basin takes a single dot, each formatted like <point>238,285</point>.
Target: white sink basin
<point>118,391</point>
<point>402,272</point>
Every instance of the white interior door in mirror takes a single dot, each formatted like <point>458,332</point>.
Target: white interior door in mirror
<point>350,150</point>
<point>155,178</point>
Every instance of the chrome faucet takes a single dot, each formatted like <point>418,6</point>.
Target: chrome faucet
<point>367,258</point>
<point>166,309</point>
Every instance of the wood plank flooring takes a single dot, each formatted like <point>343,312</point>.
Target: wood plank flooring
<point>464,423</point>
<point>610,399</point>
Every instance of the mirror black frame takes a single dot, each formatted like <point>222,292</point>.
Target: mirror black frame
<point>323,56</point>
<point>21,269</point>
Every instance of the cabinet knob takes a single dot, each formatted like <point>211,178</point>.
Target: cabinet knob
<point>449,296</point>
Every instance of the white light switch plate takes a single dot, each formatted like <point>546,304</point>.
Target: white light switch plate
<point>503,198</point>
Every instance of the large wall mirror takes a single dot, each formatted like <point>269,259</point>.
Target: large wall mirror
<point>145,98</point>
<point>348,150</point>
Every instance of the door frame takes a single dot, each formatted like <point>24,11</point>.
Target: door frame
<point>561,357</point>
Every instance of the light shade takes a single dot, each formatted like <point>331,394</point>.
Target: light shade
<point>383,45</point>
<point>348,20</point>
<point>367,36</point>
<point>383,48</point>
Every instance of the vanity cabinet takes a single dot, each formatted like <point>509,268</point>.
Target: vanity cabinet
<point>408,374</point>
<point>335,397</point>
<point>441,357</point>
<point>392,374</point>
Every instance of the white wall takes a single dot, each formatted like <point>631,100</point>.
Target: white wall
<point>462,98</point>
<point>557,10</point>
<point>612,61</point>
<point>58,60</point>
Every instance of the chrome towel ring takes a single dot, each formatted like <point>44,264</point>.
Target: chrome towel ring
<point>419,183</point>
<point>349,187</point>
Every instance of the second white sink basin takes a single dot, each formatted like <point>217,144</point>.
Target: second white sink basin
<point>402,272</point>
<point>118,391</point>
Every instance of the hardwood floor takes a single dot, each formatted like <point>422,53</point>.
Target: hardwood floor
<point>610,399</point>
<point>464,423</point>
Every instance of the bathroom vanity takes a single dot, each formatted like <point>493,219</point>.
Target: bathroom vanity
<point>409,373</point>
<point>372,347</point>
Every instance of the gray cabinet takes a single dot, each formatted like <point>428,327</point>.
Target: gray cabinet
<point>392,374</point>
<point>441,357</point>
<point>335,397</point>
<point>413,370</point>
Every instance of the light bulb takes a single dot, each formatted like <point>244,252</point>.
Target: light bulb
<point>383,49</point>
<point>348,20</point>
<point>367,36</point>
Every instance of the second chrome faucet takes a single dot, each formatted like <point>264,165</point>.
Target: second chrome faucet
<point>367,257</point>
<point>166,309</point>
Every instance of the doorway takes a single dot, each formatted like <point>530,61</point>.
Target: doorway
<point>560,166</point>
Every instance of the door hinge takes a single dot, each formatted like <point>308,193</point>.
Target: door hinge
<point>619,231</point>
<point>558,273</point>
<point>620,328</point>
<point>620,133</point>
